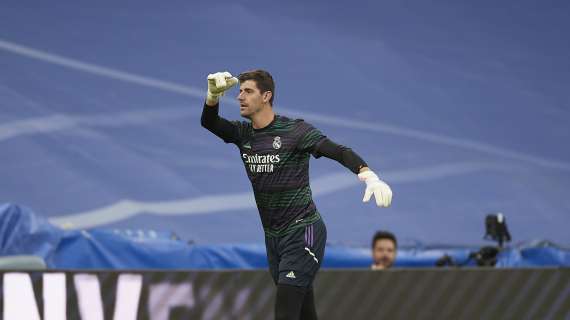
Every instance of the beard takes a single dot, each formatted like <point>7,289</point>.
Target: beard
<point>249,111</point>
<point>247,116</point>
<point>245,113</point>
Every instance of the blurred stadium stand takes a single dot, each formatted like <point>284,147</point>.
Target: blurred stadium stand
<point>463,110</point>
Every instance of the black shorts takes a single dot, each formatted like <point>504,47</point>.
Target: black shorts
<point>296,256</point>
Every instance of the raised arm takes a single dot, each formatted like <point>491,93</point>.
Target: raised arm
<point>211,120</point>
<point>218,83</point>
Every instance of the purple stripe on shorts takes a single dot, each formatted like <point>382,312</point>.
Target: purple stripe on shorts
<point>311,236</point>
<point>310,240</point>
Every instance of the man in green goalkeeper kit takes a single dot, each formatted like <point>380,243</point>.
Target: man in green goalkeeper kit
<point>275,151</point>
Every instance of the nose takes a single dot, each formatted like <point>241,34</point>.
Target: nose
<point>240,96</point>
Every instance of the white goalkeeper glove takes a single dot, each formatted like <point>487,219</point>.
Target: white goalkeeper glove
<point>382,192</point>
<point>218,83</point>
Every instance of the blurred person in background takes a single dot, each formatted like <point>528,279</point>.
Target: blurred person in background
<point>384,250</point>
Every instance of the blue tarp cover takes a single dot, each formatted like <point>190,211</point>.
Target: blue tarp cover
<point>23,232</point>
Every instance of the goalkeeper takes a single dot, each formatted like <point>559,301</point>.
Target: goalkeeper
<point>275,151</point>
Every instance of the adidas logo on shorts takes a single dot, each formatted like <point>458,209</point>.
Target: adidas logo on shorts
<point>291,275</point>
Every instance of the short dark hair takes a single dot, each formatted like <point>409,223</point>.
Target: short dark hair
<point>263,81</point>
<point>379,235</point>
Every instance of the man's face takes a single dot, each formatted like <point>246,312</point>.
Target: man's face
<point>383,254</point>
<point>250,99</point>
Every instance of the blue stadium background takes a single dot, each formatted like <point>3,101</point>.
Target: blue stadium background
<point>463,107</point>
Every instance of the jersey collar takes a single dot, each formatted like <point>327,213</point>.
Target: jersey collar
<point>267,127</point>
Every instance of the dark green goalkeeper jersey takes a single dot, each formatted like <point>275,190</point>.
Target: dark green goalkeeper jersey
<point>276,159</point>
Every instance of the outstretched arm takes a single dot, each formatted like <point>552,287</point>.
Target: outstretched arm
<point>340,153</point>
<point>348,158</point>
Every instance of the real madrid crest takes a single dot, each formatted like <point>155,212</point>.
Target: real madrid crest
<point>277,143</point>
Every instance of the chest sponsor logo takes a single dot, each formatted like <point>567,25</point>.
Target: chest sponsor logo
<point>261,163</point>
